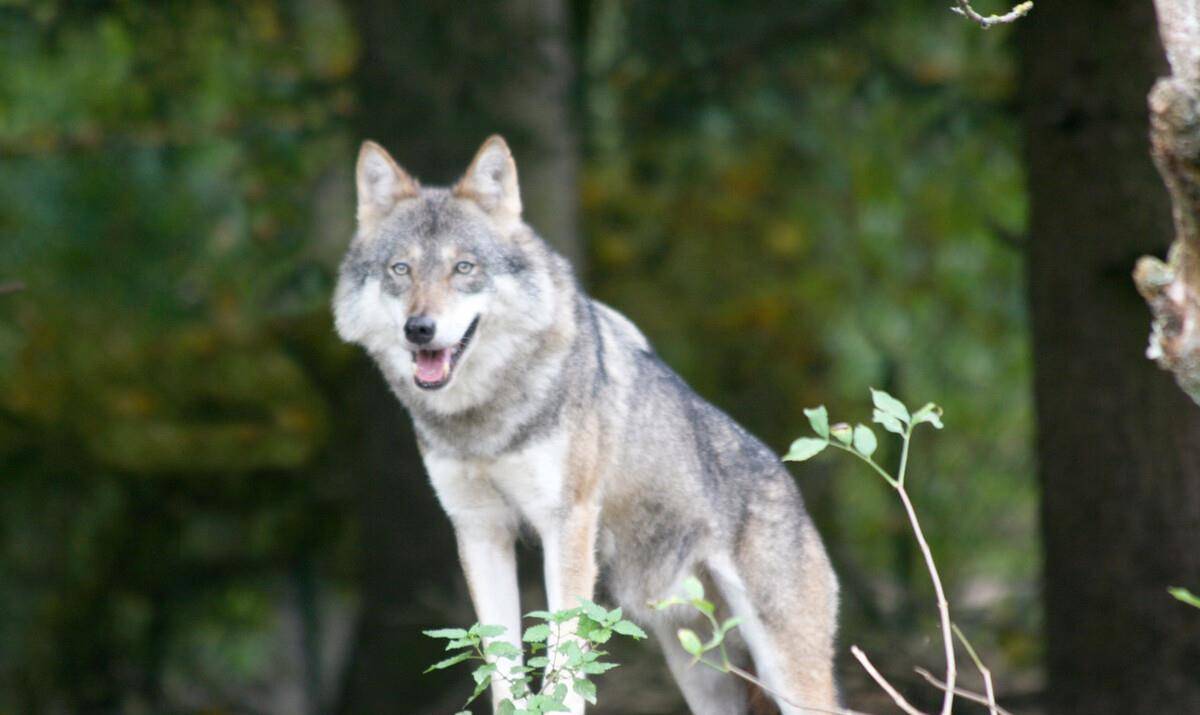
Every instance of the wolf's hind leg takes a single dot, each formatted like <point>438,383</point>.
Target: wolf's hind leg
<point>785,592</point>
<point>706,691</point>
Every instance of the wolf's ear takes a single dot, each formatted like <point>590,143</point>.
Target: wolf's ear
<point>491,180</point>
<point>381,183</point>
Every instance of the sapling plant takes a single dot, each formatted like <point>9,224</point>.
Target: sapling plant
<point>859,441</point>
<point>574,635</point>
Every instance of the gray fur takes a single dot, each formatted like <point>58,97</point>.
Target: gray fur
<point>679,487</point>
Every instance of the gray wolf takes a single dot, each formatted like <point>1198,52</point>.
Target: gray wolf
<point>535,405</point>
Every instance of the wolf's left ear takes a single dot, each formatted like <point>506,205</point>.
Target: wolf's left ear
<point>381,183</point>
<point>491,180</point>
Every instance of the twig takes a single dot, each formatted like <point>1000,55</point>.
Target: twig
<point>11,287</point>
<point>728,667</point>
<point>964,8</point>
<point>987,674</point>
<point>963,693</point>
<point>943,605</point>
<point>883,683</point>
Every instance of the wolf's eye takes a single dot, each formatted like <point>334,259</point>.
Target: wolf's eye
<point>400,269</point>
<point>464,267</point>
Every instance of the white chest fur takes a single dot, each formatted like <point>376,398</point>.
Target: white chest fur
<point>525,485</point>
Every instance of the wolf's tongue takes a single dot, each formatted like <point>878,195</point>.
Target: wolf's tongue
<point>433,365</point>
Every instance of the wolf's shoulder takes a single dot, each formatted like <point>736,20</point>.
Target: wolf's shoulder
<point>622,329</point>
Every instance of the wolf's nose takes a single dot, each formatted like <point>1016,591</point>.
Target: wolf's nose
<point>420,329</point>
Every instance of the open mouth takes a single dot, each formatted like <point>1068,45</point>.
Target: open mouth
<point>432,368</point>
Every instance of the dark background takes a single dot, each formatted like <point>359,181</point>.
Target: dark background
<point>210,505</point>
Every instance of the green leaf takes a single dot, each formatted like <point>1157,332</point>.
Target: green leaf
<point>889,422</point>
<point>890,405</point>
<point>690,641</point>
<point>487,631</point>
<point>864,440</point>
<point>452,660</point>
<point>565,615</point>
<point>537,634</point>
<point>586,689</point>
<point>506,708</point>
<point>484,672</point>
<point>628,628</point>
<point>461,643</point>
<point>819,419</point>
<point>600,635</point>
<point>930,413</point>
<point>705,607</point>
<point>585,625</point>
<point>730,624</point>
<point>520,687</point>
<point>451,633</point>
<point>571,650</point>
<point>480,686</point>
<point>667,603</point>
<point>693,588</point>
<point>539,662</point>
<point>842,433</point>
<point>502,649</point>
<point>597,668</point>
<point>594,612</point>
<point>805,448</point>
<point>541,615</point>
<point>613,616</point>
<point>1185,595</point>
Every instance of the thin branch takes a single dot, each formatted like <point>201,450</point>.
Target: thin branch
<point>11,287</point>
<point>883,683</point>
<point>987,674</point>
<point>728,667</point>
<point>963,7</point>
<point>963,692</point>
<point>942,604</point>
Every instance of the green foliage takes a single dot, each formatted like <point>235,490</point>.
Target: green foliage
<point>688,639</point>
<point>861,441</point>
<point>567,642</point>
<point>790,199</point>
<point>799,200</point>
<point>168,375</point>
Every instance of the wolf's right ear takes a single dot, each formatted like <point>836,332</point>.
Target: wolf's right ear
<point>491,180</point>
<point>381,183</point>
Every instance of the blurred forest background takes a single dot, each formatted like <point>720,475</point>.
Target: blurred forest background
<point>210,505</point>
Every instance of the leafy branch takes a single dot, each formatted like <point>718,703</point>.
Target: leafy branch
<point>860,441</point>
<point>568,639</point>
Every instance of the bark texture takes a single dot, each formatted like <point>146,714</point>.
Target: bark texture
<point>1118,443</point>
<point>1172,289</point>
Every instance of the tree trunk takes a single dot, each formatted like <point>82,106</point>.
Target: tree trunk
<point>1172,289</point>
<point>433,82</point>
<point>546,145</point>
<point>1118,443</point>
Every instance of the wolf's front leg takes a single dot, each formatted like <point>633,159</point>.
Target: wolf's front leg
<point>569,549</point>
<point>488,555</point>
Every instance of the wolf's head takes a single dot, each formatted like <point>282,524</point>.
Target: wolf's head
<point>432,272</point>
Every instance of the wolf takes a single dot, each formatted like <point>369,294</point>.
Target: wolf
<point>535,406</point>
